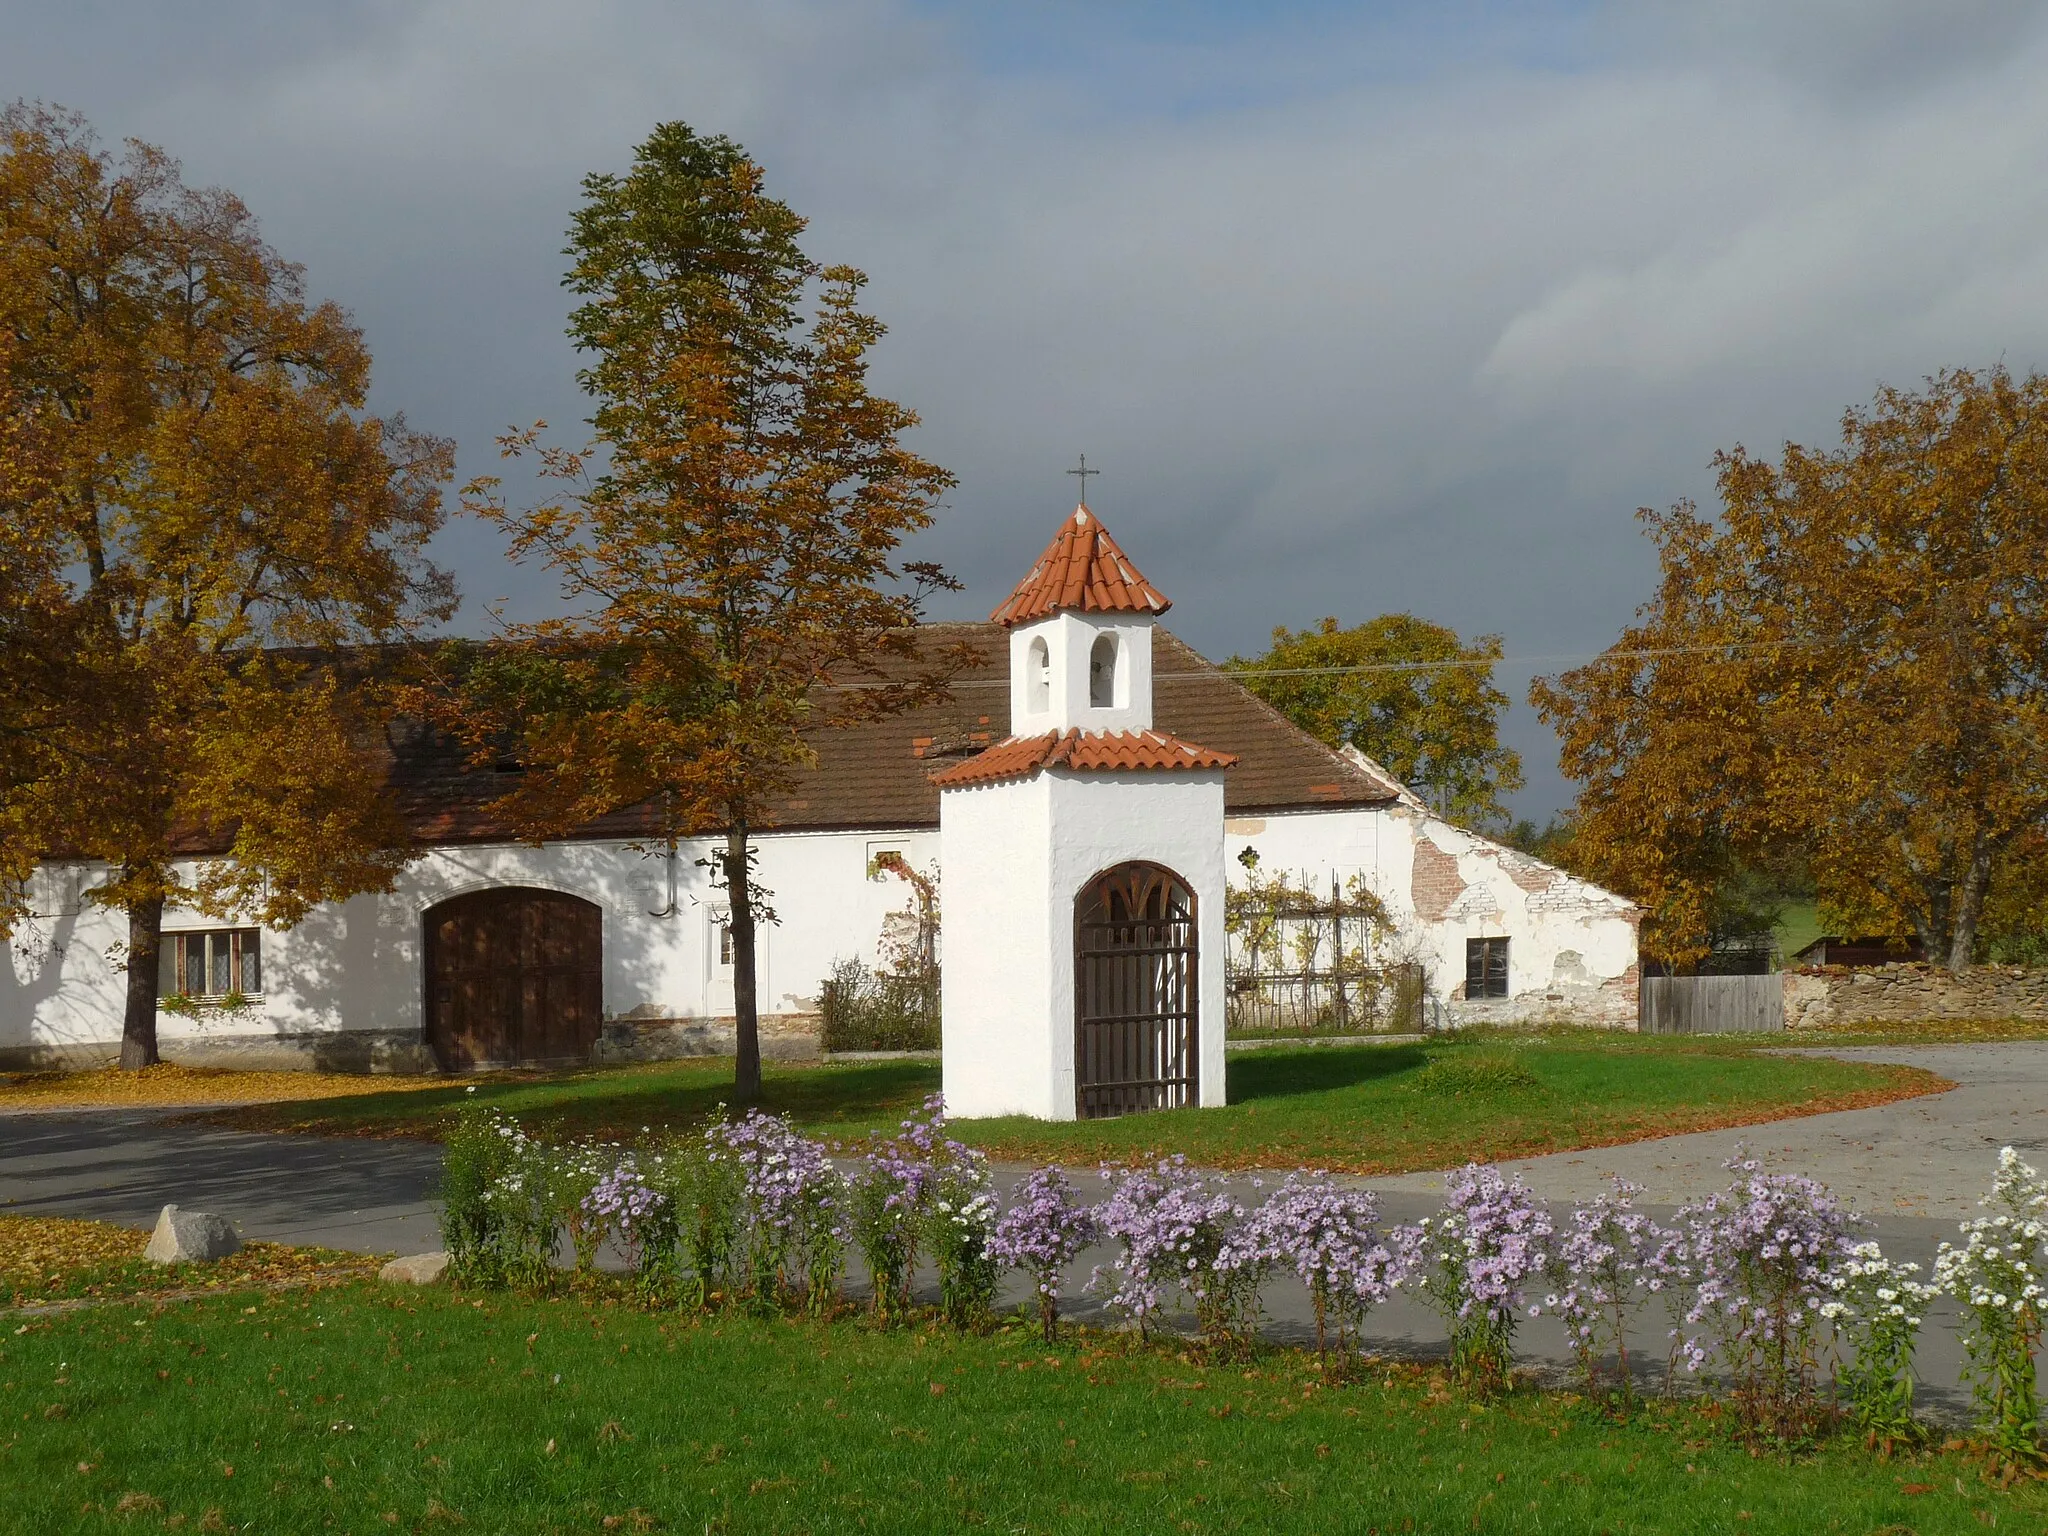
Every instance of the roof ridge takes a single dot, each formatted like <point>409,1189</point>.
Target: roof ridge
<point>1389,786</point>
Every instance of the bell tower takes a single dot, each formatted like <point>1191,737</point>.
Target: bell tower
<point>1081,636</point>
<point>1083,859</point>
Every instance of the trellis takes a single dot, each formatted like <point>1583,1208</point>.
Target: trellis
<point>1305,960</point>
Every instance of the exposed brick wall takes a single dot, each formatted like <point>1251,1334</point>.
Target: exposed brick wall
<point>1435,882</point>
<point>1878,993</point>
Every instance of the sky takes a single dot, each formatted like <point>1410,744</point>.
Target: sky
<point>1358,307</point>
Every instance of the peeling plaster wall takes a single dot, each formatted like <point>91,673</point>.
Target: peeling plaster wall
<point>344,989</point>
<point>1571,945</point>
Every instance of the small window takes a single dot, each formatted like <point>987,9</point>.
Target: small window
<point>1102,673</point>
<point>1486,968</point>
<point>220,962</point>
<point>721,939</point>
<point>1038,675</point>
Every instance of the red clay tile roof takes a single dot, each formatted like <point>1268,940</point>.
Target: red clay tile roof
<point>879,774</point>
<point>1018,757</point>
<point>1082,568</point>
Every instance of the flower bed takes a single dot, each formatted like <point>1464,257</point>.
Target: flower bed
<point>1762,1281</point>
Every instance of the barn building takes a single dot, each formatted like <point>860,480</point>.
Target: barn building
<point>601,946</point>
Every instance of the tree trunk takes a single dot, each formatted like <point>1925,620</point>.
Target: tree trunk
<point>1969,908</point>
<point>138,1023</point>
<point>746,1017</point>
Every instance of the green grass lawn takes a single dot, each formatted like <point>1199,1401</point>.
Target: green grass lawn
<point>1367,1109</point>
<point>364,1409</point>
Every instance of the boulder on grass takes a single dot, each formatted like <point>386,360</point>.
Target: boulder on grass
<point>191,1237</point>
<point>416,1269</point>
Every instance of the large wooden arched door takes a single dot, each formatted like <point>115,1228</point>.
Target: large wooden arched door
<point>514,976</point>
<point>1135,1037</point>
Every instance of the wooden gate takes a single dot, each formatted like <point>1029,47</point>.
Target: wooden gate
<point>514,976</point>
<point>1134,992</point>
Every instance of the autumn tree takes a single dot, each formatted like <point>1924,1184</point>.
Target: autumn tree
<point>199,514</point>
<point>729,541</point>
<point>1409,694</point>
<point>1848,664</point>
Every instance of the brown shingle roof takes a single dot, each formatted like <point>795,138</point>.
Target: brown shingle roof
<point>1082,568</point>
<point>878,774</point>
<point>1017,757</point>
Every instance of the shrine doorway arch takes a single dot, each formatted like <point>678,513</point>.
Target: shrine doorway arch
<point>1135,1008</point>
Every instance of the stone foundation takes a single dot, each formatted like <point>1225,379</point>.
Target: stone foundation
<point>1609,1004</point>
<point>784,1037</point>
<point>367,1051</point>
<point>1873,994</point>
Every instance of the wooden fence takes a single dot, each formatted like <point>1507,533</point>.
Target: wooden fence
<point>1711,1005</point>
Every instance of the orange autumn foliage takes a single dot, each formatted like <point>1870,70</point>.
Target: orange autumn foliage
<point>1850,662</point>
<point>200,513</point>
<point>728,544</point>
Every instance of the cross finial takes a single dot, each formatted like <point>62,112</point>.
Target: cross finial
<point>1084,472</point>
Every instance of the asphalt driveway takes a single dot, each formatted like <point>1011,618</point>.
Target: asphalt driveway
<point>126,1165</point>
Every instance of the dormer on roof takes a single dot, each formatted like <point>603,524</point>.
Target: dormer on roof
<point>1081,636</point>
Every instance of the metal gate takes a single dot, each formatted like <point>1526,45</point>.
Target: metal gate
<point>1134,992</point>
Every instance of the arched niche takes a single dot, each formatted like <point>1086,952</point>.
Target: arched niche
<point>1102,669</point>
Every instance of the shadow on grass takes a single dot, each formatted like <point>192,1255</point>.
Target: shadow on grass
<point>852,1097</point>
<point>1283,1074</point>
<point>614,1101</point>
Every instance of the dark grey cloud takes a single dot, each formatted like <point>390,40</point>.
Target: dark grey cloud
<point>1411,323</point>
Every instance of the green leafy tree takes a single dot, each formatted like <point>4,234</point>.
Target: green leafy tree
<point>729,544</point>
<point>1409,694</point>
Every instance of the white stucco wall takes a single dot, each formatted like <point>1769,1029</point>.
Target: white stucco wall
<point>355,967</point>
<point>996,986</point>
<point>1070,639</point>
<point>1572,945</point>
<point>1019,853</point>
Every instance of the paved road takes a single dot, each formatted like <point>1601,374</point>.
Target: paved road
<point>126,1165</point>
<point>1929,1157</point>
<point>1917,1167</point>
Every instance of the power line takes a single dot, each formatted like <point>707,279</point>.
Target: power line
<point>1506,661</point>
<point>1450,665</point>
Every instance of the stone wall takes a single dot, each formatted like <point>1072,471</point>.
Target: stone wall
<point>1836,994</point>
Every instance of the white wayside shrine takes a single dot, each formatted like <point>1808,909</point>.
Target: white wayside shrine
<point>1084,866</point>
